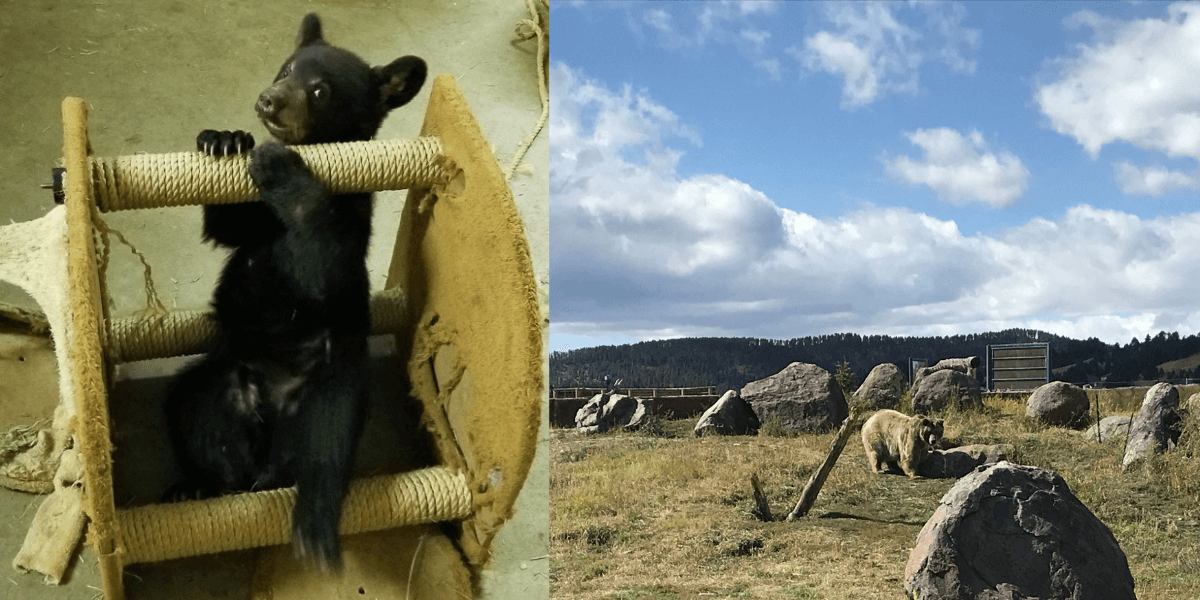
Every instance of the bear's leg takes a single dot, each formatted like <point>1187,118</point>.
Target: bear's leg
<point>321,440</point>
<point>215,429</point>
<point>324,242</point>
<point>872,458</point>
<point>909,459</point>
<point>234,225</point>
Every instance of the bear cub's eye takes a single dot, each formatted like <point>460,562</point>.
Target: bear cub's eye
<point>320,92</point>
<point>284,71</point>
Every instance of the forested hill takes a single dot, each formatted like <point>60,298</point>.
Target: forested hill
<point>729,363</point>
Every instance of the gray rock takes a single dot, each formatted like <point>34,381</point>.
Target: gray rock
<point>966,365</point>
<point>1157,426</point>
<point>728,416</point>
<point>1189,409</point>
<point>1058,403</point>
<point>1109,428</point>
<point>882,388</point>
<point>963,365</point>
<point>805,398</point>
<point>606,411</point>
<point>941,388</point>
<point>1012,532</point>
<point>957,462</point>
<point>1192,404</point>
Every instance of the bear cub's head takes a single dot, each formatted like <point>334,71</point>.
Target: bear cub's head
<point>326,94</point>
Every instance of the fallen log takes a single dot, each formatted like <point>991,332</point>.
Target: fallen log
<point>761,510</point>
<point>813,487</point>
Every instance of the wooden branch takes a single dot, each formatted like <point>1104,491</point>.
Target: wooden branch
<point>762,510</point>
<point>813,487</point>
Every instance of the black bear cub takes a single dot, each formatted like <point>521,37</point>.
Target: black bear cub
<point>281,399</point>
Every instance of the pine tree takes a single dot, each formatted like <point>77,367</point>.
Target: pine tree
<point>846,378</point>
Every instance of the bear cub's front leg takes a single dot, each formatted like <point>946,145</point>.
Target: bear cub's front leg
<point>287,186</point>
<point>273,166</point>
<point>233,225</point>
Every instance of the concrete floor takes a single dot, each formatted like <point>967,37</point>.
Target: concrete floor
<point>155,73</point>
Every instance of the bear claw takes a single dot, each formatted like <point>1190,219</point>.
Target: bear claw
<point>224,143</point>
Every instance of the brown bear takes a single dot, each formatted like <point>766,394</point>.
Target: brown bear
<point>899,441</point>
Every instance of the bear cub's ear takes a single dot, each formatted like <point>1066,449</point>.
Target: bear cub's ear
<point>310,31</point>
<point>400,81</point>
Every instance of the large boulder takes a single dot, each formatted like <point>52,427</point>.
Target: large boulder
<point>606,411</point>
<point>941,388</point>
<point>805,398</point>
<point>1192,404</point>
<point>728,416</point>
<point>1157,426</point>
<point>1190,409</point>
<point>1011,532</point>
<point>1114,427</point>
<point>963,365</point>
<point>1058,403</point>
<point>882,388</point>
<point>957,462</point>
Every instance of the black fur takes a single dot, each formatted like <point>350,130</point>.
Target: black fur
<point>282,398</point>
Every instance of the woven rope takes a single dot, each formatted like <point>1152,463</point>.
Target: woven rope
<point>178,333</point>
<point>539,27</point>
<point>388,310</point>
<point>182,333</point>
<point>166,531</point>
<point>189,178</point>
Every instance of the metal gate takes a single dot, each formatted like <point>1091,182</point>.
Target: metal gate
<point>1018,366</point>
<point>914,365</point>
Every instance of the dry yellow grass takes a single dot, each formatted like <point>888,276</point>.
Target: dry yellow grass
<point>641,517</point>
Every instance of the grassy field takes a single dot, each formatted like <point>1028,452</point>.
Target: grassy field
<point>667,516</point>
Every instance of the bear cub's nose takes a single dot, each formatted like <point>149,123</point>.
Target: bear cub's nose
<point>268,104</point>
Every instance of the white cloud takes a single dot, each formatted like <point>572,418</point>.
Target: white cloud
<point>1102,26</point>
<point>670,35</point>
<point>1136,83</point>
<point>715,22</point>
<point>836,55</point>
<point>876,54</point>
<point>691,27</point>
<point>640,250</point>
<point>630,204</point>
<point>1094,261</point>
<point>771,67</point>
<point>1151,181</point>
<point>868,45</point>
<point>958,41</point>
<point>756,6</point>
<point>961,169</point>
<point>755,37</point>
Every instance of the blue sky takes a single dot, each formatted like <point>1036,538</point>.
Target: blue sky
<point>903,168</point>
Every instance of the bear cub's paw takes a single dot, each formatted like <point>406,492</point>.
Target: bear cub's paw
<point>224,143</point>
<point>274,165</point>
